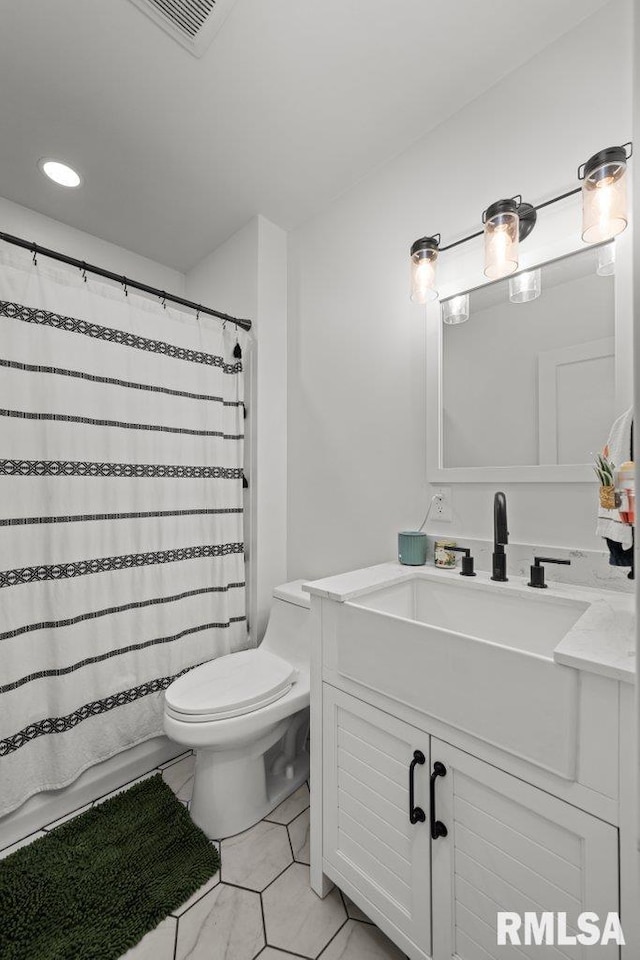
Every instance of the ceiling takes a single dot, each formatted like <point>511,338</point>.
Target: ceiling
<point>291,105</point>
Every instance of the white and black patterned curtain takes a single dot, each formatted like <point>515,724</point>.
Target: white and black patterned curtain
<point>121,544</point>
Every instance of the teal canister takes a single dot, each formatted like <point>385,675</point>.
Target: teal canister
<point>412,548</point>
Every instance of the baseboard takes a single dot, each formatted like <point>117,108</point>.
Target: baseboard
<point>90,785</point>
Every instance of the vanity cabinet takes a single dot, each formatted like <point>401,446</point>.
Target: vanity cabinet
<point>368,836</point>
<point>511,846</point>
<point>504,844</point>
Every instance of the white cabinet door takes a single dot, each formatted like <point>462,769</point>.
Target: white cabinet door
<point>367,834</point>
<point>512,847</point>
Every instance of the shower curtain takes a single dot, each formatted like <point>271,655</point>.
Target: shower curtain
<point>121,528</point>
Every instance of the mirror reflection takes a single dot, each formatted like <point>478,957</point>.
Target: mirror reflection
<point>528,365</point>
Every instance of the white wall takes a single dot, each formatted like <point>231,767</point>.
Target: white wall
<point>247,277</point>
<point>227,279</point>
<point>356,344</point>
<point>25,223</point>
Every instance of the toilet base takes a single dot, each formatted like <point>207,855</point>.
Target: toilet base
<point>235,789</point>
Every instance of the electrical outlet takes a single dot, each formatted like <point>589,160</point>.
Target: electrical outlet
<point>442,507</point>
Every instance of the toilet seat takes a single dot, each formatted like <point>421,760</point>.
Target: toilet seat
<point>230,686</point>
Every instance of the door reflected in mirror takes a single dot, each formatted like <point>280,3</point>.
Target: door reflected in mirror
<point>529,377</point>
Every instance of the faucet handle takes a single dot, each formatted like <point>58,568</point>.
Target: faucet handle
<point>467,561</point>
<point>537,570</point>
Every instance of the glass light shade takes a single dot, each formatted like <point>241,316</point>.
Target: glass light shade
<point>456,310</point>
<point>423,274</point>
<point>606,261</point>
<point>501,244</point>
<point>604,198</point>
<point>526,286</point>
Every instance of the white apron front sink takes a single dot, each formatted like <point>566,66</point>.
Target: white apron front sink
<point>533,624</point>
<point>471,654</point>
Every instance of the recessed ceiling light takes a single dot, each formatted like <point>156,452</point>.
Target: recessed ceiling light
<point>60,172</point>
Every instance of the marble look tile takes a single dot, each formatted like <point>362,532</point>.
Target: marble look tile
<point>254,858</point>
<point>296,919</point>
<point>225,925</point>
<point>131,783</point>
<point>361,941</point>
<point>299,836</point>
<point>180,756</point>
<point>354,912</point>
<point>21,843</point>
<point>200,892</point>
<point>290,808</point>
<point>270,953</point>
<point>158,944</point>
<point>67,817</point>
<point>179,776</point>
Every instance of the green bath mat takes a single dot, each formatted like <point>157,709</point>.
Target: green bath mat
<point>94,886</point>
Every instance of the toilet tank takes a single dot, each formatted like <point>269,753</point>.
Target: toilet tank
<point>287,631</point>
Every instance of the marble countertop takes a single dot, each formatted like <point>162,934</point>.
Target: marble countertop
<point>602,641</point>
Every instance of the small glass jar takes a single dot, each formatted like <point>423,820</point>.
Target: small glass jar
<point>443,556</point>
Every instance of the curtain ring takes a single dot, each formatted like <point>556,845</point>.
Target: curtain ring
<point>83,271</point>
<point>34,249</point>
<point>124,286</point>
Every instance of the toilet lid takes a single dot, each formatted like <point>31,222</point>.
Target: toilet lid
<point>230,686</point>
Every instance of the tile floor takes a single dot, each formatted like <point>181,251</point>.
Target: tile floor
<point>259,904</point>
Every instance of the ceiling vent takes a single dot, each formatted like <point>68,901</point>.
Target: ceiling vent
<point>193,23</point>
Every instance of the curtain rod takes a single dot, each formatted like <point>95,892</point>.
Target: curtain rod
<point>37,250</point>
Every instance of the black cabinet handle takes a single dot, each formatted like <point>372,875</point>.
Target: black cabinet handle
<point>438,828</point>
<point>416,814</point>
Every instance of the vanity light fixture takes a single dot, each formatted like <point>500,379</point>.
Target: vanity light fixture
<point>508,222</point>
<point>606,260</point>
<point>525,286</point>
<point>604,193</point>
<point>61,173</point>
<point>424,257</point>
<point>456,310</point>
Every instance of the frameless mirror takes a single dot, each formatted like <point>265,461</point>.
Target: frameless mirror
<point>528,378</point>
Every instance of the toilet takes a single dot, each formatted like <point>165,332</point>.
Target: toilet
<point>246,716</point>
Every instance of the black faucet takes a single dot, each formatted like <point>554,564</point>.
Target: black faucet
<point>500,538</point>
<point>467,561</point>
<point>537,570</point>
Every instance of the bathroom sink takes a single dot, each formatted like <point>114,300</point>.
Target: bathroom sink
<point>473,654</point>
<point>534,624</point>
